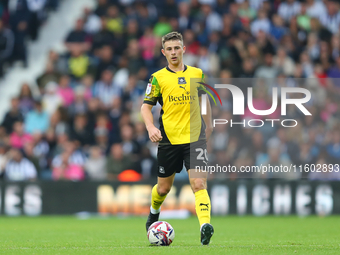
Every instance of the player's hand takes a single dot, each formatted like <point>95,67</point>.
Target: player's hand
<point>208,132</point>
<point>155,134</point>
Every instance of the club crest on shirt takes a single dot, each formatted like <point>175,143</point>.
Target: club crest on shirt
<point>181,80</point>
<point>148,89</point>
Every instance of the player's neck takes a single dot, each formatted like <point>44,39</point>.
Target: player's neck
<point>177,68</point>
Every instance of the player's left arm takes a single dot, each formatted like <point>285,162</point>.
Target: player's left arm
<point>207,119</point>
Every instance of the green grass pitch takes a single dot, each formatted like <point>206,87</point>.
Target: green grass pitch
<point>233,235</point>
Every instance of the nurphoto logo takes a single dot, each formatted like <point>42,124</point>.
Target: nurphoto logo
<point>239,103</point>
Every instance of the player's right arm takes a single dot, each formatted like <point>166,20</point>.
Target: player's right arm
<point>152,95</point>
<point>154,133</point>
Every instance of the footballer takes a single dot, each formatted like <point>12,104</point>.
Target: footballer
<point>183,131</point>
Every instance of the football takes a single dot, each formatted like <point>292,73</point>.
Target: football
<point>161,233</point>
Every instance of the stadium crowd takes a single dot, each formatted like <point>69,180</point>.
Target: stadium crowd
<point>83,121</point>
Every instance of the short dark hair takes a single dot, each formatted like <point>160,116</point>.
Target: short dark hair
<point>172,36</point>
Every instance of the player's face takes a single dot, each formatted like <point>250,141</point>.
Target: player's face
<point>173,51</point>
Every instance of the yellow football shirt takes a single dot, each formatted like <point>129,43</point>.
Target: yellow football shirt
<point>178,93</point>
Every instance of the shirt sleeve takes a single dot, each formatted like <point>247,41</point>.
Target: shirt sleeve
<point>153,92</point>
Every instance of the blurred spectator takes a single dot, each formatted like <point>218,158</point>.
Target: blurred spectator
<point>65,91</point>
<point>262,23</point>
<point>37,120</point>
<point>213,21</point>
<point>41,150</point>
<point>307,66</point>
<point>333,148</point>
<point>59,62</point>
<point>102,138</point>
<point>87,84</point>
<point>19,138</point>
<point>19,18</point>
<point>36,8</point>
<point>264,44</point>
<point>277,30</point>
<point>220,138</point>
<point>283,62</point>
<point>103,37</point>
<point>80,132</point>
<point>69,153</point>
<point>79,106</point>
<point>114,20</point>
<point>146,15</point>
<point>117,162</point>
<point>136,62</point>
<point>334,72</point>
<point>95,166</point>
<point>105,89</point>
<point>170,9</point>
<point>79,63</point>
<point>19,168</point>
<point>208,62</point>
<point>101,7</point>
<point>29,153</point>
<point>67,170</point>
<point>129,144</point>
<point>268,70</point>
<point>255,56</point>
<point>92,22</point>
<point>185,21</point>
<point>121,76</point>
<point>115,117</point>
<point>288,9</point>
<point>303,20</point>
<point>147,44</point>
<point>162,27</point>
<point>132,92</point>
<point>246,12</point>
<point>315,8</point>
<point>93,111</point>
<point>107,60</point>
<point>313,47</point>
<point>26,99</point>
<point>323,33</point>
<point>77,39</point>
<point>331,18</point>
<point>192,47</point>
<point>51,100</point>
<point>50,75</point>
<point>59,121</point>
<point>12,116</point>
<point>6,46</point>
<point>141,135</point>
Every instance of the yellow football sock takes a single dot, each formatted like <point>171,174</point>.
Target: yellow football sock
<point>156,199</point>
<point>202,205</point>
